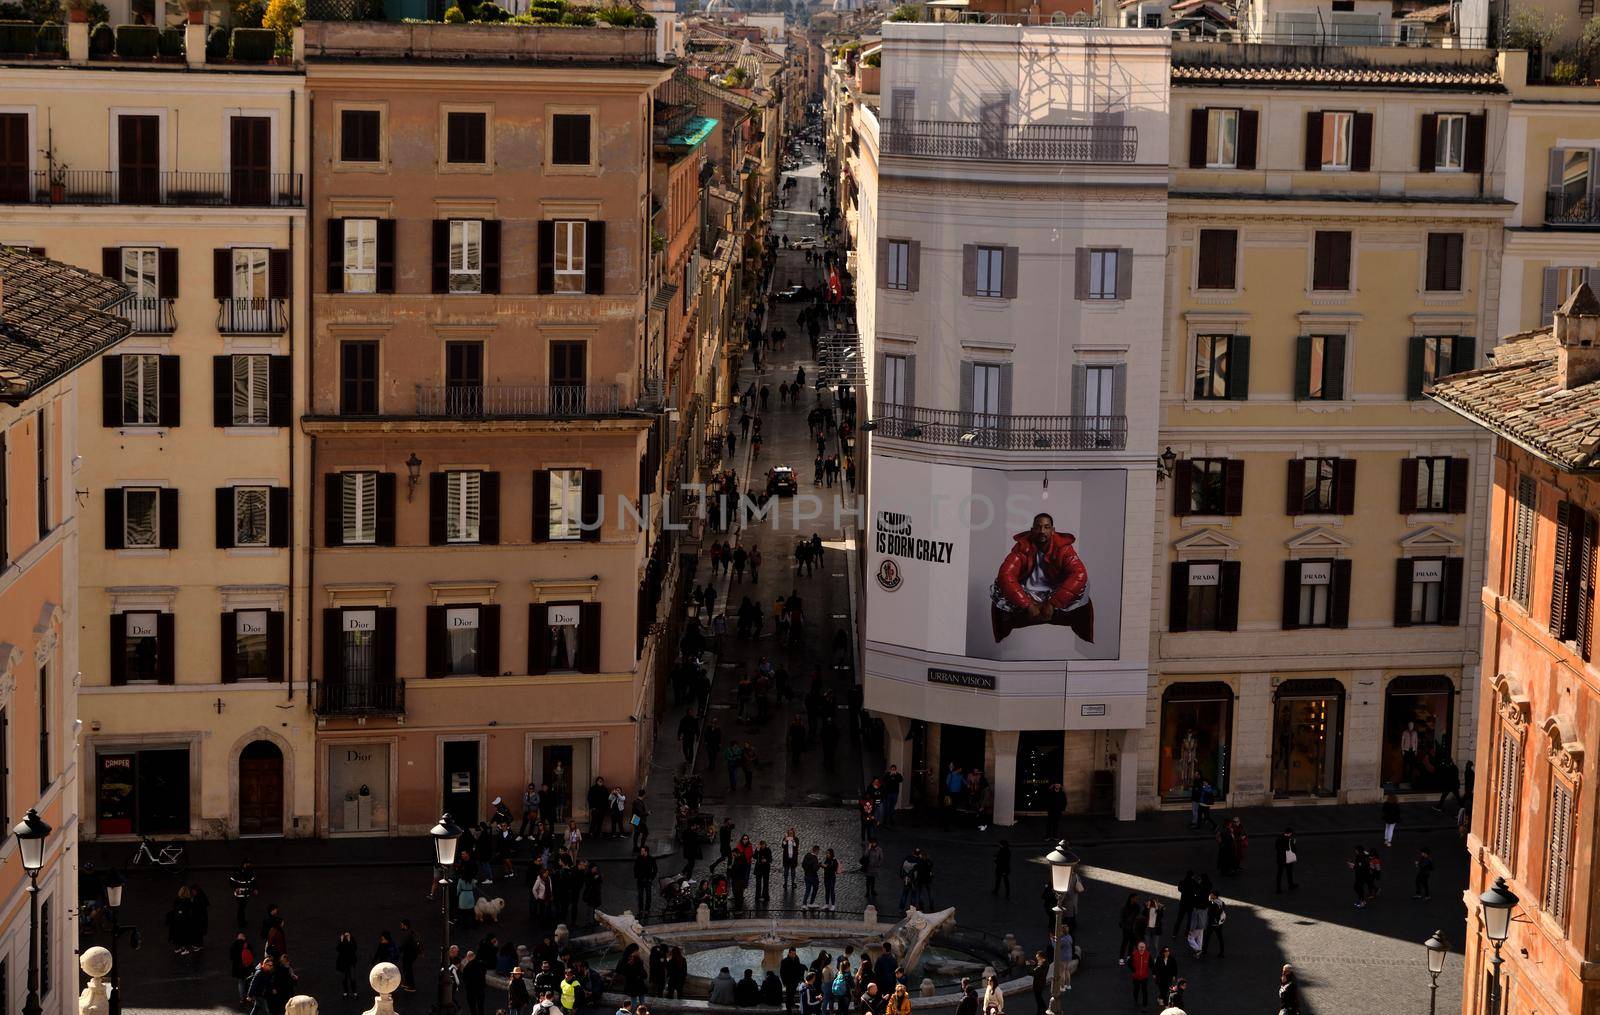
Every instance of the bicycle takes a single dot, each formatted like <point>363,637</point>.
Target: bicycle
<point>154,855</point>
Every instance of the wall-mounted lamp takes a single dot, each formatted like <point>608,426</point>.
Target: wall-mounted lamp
<point>413,474</point>
<point>1166,464</point>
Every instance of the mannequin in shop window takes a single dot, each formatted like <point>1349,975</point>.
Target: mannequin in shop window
<point>1409,739</point>
<point>1188,754</point>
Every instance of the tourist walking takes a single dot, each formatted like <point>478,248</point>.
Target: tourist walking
<point>1286,857</point>
<point>1139,971</point>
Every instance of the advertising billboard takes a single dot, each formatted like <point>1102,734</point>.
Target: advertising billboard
<point>999,564</point>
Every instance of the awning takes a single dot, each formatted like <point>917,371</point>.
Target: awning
<point>693,131</point>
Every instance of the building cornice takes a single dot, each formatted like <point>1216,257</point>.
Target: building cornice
<point>334,426</point>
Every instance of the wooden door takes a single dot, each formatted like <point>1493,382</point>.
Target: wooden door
<point>463,378</point>
<point>568,375</point>
<point>14,157</point>
<point>261,789</point>
<point>250,160</point>
<point>139,159</point>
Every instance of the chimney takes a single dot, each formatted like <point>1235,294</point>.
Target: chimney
<point>1577,332</point>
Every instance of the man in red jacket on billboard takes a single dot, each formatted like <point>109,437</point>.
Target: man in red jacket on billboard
<point>1042,581</point>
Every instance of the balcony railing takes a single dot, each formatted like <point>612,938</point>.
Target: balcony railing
<point>384,697</point>
<point>1404,34</point>
<point>1012,142</point>
<point>1560,210</point>
<point>241,188</point>
<point>481,401</point>
<point>1005,433</point>
<point>149,315</point>
<point>252,316</point>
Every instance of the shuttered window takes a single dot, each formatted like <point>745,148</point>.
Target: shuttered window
<point>1508,786</point>
<point>359,494</point>
<point>1330,270</point>
<point>1522,549</point>
<point>250,390</point>
<point>1218,259</point>
<point>1444,262</point>
<point>462,506</point>
<point>1572,577</point>
<point>359,135</point>
<point>466,140</point>
<point>1558,852</point>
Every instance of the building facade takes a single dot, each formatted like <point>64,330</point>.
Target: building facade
<point>1009,245</point>
<point>183,183</point>
<point>55,320</point>
<point>1539,716</point>
<point>482,574</point>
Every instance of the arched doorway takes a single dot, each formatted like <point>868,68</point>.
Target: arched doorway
<point>261,789</point>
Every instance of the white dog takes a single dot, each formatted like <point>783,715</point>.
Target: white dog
<point>488,910</point>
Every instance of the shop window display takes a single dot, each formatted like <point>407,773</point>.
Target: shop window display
<point>1196,720</point>
<point>1416,732</point>
<point>1307,732</point>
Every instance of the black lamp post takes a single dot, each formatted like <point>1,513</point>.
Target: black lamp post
<point>30,833</point>
<point>1497,905</point>
<point>446,835</point>
<point>115,882</point>
<point>1437,948</point>
<point>1063,862</point>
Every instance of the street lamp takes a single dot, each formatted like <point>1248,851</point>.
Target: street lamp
<point>1437,948</point>
<point>1063,862</point>
<point>30,833</point>
<point>1497,905</point>
<point>115,883</point>
<point>446,835</point>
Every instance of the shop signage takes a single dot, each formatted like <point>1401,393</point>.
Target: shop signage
<point>564,616</point>
<point>1088,710</point>
<point>360,620</point>
<point>1427,570</point>
<point>141,625</point>
<point>1204,574</point>
<point>462,620</point>
<point>977,681</point>
<point>1317,572</point>
<point>252,622</point>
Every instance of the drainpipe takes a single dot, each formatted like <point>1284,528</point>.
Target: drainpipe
<point>288,627</point>
<point>310,372</point>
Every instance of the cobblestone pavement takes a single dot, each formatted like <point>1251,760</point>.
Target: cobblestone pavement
<point>1353,962</point>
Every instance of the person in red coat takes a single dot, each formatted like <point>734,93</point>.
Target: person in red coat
<point>1042,581</point>
<point>1139,971</point>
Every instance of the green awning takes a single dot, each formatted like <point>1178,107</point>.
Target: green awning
<point>693,132</point>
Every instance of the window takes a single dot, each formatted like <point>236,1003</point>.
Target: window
<point>141,271</point>
<point>359,139</point>
<point>986,389</point>
<point>466,256</point>
<point>1558,284</point>
<point>250,516</point>
<point>462,506</point>
<point>1444,262</point>
<point>1558,852</point>
<point>358,647</point>
<point>359,507</point>
<point>570,262</point>
<point>1507,790</point>
<point>1319,368</point>
<point>360,255</point>
<point>897,269</point>
<point>1218,259</point>
<point>1572,578</point>
<point>1099,393</point>
<point>1330,271</point>
<point>894,380</point>
<point>466,140</point>
<point>1203,594</point>
<point>141,390</point>
<point>1450,143</point>
<point>141,517</point>
<point>250,390</point>
<point>1222,138</point>
<point>1427,591</point>
<point>1432,484</point>
<point>250,645</point>
<point>1212,359</point>
<point>1152,19</point>
<point>1207,485</point>
<point>358,378</point>
<point>1570,192</point>
<point>1314,580</point>
<point>1338,131</point>
<point>566,504</point>
<point>991,272</point>
<point>141,646</point>
<point>569,139</point>
<point>1522,551</point>
<point>1103,269</point>
<point>1436,356</point>
<point>250,273</point>
<point>45,767</point>
<point>1319,487</point>
<point>564,621</point>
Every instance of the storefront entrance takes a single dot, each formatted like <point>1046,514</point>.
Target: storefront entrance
<point>1196,725</point>
<point>1416,731</point>
<point>1307,740</point>
<point>261,789</point>
<point>459,779</point>
<point>1040,758</point>
<point>961,746</point>
<point>567,769</point>
<point>358,788</point>
<point>142,792</point>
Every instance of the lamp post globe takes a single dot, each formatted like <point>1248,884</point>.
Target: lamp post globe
<point>1063,861</point>
<point>115,883</point>
<point>1498,903</point>
<point>1437,948</point>
<point>446,834</point>
<point>30,834</point>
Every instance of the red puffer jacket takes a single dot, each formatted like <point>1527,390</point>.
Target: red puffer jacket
<point>1062,568</point>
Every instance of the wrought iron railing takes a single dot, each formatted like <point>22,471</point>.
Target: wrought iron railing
<point>383,697</point>
<point>252,316</point>
<point>1012,142</point>
<point>1559,210</point>
<point>477,401</point>
<point>243,188</point>
<point>149,315</point>
<point>1006,433</point>
<point>1402,34</point>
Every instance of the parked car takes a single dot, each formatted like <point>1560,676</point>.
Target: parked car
<point>781,481</point>
<point>794,292</point>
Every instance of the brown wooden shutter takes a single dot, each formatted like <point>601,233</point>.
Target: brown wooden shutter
<point>169,519</point>
<point>1228,596</point>
<point>1295,502</point>
<point>228,654</point>
<point>384,643</point>
<point>546,281</point>
<point>538,638</point>
<point>491,256</point>
<point>1080,273</point>
<point>1239,368</point>
<point>333,509</point>
<point>1402,592</point>
<point>1011,261</point>
<point>119,649</point>
<point>969,269</point>
<point>593,517</point>
<point>1124,273</point>
<point>541,505</point>
<point>441,255</point>
<point>1339,595</point>
<point>1477,133</point>
<point>222,273</point>
<point>1178,597</point>
<point>1249,135</point>
<point>386,256</point>
<point>884,246</point>
<point>111,391</point>
<point>1456,490</point>
<point>436,642</point>
<point>1233,486</point>
<point>1585,590</point>
<point>1408,485</point>
<point>275,646</point>
<point>116,527</point>
<point>438,506</point>
<point>594,258</point>
<point>224,516</point>
<point>222,391</point>
<point>1450,593</point>
<point>1313,146</point>
<point>489,641</point>
<point>489,508</point>
<point>278,517</point>
<point>1561,567</point>
<point>111,263</point>
<point>335,275</point>
<point>1333,349</point>
<point>166,648</point>
<point>1182,488</point>
<point>1344,486</point>
<point>383,532</point>
<point>1361,143</point>
<point>280,390</point>
<point>1198,125</point>
<point>279,281</point>
<point>914,267</point>
<point>1427,142</point>
<point>1291,595</point>
<point>332,657</point>
<point>167,273</point>
<point>589,638</point>
<point>168,412</point>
